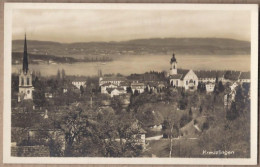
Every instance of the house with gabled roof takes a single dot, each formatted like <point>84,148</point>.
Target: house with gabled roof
<point>116,91</point>
<point>105,86</point>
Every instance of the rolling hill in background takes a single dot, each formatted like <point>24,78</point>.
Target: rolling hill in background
<point>153,46</point>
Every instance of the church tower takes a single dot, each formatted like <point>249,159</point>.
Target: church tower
<point>173,69</point>
<point>25,78</point>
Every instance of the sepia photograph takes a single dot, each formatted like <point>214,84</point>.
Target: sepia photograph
<point>130,83</point>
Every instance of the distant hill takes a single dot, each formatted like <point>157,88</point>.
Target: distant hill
<point>189,46</point>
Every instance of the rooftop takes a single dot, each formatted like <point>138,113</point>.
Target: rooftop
<point>113,79</point>
<point>209,74</point>
<point>244,75</point>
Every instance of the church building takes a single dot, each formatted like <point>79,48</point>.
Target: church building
<point>25,78</point>
<point>182,78</point>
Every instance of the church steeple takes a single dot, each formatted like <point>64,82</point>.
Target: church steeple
<point>173,59</point>
<point>173,62</point>
<point>25,57</point>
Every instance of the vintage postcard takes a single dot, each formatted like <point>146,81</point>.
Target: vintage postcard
<point>130,83</point>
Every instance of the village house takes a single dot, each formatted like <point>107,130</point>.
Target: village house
<point>210,76</point>
<point>156,86</point>
<point>189,79</point>
<point>107,85</point>
<point>125,85</point>
<point>210,86</point>
<point>116,91</point>
<point>139,87</point>
<point>78,82</point>
<point>113,79</point>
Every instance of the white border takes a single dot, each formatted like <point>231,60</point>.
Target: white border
<point>9,7</point>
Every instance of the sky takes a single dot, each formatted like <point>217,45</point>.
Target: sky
<point>70,25</point>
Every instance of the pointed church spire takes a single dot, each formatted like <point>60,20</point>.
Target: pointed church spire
<point>25,57</point>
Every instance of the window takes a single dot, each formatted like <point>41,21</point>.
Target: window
<point>28,81</point>
<point>194,82</point>
<point>186,82</point>
<point>28,92</point>
<point>22,82</point>
<point>176,82</point>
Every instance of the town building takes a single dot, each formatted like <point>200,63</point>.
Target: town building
<point>116,91</point>
<point>206,76</point>
<point>210,86</point>
<point>189,79</point>
<point>79,82</point>
<point>25,78</point>
<point>137,86</point>
<point>112,79</point>
<point>105,86</point>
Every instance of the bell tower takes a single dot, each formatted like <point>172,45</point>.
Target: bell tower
<point>173,69</point>
<point>25,78</point>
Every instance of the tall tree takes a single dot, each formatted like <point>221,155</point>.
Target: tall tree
<point>73,122</point>
<point>58,75</point>
<point>63,75</point>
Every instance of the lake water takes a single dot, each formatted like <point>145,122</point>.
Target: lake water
<point>140,64</point>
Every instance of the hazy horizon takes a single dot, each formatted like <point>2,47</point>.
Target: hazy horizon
<point>69,26</point>
<point>28,39</point>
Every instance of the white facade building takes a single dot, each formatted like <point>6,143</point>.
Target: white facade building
<point>79,83</point>
<point>210,87</point>
<point>182,78</point>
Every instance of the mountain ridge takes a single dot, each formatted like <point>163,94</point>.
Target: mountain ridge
<point>193,46</point>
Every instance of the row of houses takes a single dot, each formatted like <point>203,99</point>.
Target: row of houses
<point>190,79</point>
<point>119,85</point>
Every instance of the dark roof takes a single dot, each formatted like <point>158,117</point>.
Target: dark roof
<point>120,89</point>
<point>124,83</point>
<point>183,72</point>
<point>109,90</point>
<point>76,78</point>
<point>176,76</point>
<point>79,80</point>
<point>113,79</point>
<point>244,75</point>
<point>209,74</point>
<point>232,75</point>
<point>107,84</point>
<point>136,84</point>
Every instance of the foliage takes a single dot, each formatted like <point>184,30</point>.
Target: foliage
<point>39,93</point>
<point>201,87</point>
